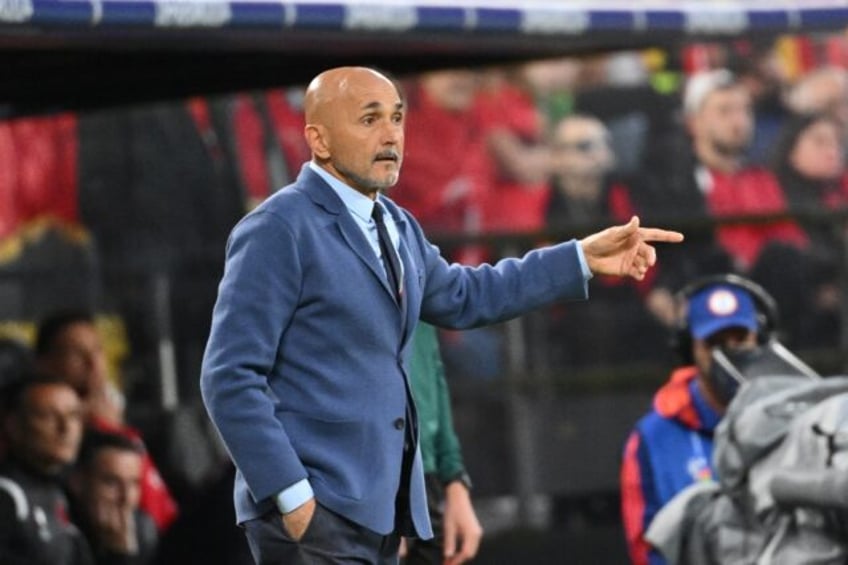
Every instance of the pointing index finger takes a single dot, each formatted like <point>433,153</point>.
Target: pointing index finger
<point>657,234</point>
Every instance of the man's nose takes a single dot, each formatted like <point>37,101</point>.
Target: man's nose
<point>735,342</point>
<point>392,134</point>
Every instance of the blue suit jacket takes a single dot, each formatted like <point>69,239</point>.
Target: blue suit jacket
<point>305,370</point>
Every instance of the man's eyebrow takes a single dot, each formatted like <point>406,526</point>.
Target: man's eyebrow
<point>375,105</point>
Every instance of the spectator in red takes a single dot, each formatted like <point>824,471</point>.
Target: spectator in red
<point>68,347</point>
<point>581,187</point>
<point>720,120</point>
<point>514,131</point>
<point>268,130</point>
<point>446,167</point>
<point>585,191</point>
<point>447,172</point>
<point>714,180</point>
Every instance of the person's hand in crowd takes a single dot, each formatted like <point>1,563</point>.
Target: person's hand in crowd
<point>462,529</point>
<point>105,402</point>
<point>625,250</point>
<point>114,522</point>
<point>402,548</point>
<point>297,521</point>
<point>828,297</point>
<point>660,303</point>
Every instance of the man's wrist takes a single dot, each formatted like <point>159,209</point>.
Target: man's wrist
<point>462,478</point>
<point>584,263</point>
<point>294,496</point>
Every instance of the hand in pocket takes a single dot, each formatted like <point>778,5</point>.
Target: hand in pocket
<point>296,522</point>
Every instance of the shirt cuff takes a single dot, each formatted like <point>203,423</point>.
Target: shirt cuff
<point>584,266</point>
<point>295,496</point>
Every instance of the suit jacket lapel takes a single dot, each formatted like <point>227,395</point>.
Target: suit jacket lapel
<point>407,324</point>
<point>410,272</point>
<point>326,198</point>
<point>356,240</point>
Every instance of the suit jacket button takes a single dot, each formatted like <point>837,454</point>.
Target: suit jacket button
<point>399,423</point>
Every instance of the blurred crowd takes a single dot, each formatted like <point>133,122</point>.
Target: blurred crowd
<point>78,485</point>
<point>742,148</point>
<point>105,200</point>
<point>113,224</point>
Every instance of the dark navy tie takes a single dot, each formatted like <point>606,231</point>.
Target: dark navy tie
<point>387,250</point>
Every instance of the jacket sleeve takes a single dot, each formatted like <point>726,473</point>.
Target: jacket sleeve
<point>461,297</point>
<point>257,298</point>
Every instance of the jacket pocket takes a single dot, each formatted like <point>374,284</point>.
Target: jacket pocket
<point>334,451</point>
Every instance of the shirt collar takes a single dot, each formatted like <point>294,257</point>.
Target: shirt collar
<point>681,399</point>
<point>356,202</point>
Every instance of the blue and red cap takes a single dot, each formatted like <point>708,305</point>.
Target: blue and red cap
<point>718,307</point>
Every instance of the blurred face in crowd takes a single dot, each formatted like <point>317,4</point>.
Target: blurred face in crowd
<point>355,119</point>
<point>580,151</point>
<point>46,431</point>
<point>730,339</point>
<point>78,358</point>
<point>113,477</point>
<point>452,90</point>
<point>724,122</point>
<point>818,152</point>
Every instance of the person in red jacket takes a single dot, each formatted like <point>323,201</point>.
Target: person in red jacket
<point>68,347</point>
<point>585,189</point>
<point>519,159</point>
<point>446,165</point>
<point>712,178</point>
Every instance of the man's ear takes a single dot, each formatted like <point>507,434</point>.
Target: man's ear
<point>316,138</point>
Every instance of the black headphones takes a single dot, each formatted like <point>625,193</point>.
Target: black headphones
<point>767,312</point>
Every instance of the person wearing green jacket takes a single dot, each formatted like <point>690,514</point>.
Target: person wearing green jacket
<point>457,531</point>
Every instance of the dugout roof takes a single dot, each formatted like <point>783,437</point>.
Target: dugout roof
<point>83,53</point>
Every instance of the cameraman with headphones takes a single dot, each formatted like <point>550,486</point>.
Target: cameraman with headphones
<point>671,446</point>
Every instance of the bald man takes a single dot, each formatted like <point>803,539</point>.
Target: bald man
<point>305,372</point>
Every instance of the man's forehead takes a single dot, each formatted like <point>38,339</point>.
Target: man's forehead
<point>721,96</point>
<point>51,393</point>
<point>371,93</point>
<point>111,452</point>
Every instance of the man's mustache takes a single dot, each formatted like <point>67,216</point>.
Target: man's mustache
<point>388,154</point>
